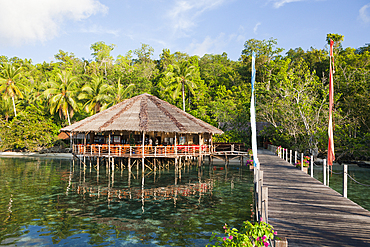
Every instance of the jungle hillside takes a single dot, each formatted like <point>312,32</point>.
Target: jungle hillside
<point>291,93</point>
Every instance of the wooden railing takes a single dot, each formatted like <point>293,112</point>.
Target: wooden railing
<point>137,151</point>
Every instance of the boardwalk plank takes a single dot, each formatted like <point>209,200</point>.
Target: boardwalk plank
<point>309,213</point>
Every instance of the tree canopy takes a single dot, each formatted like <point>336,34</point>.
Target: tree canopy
<point>291,91</point>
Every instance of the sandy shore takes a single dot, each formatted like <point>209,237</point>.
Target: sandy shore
<point>36,155</point>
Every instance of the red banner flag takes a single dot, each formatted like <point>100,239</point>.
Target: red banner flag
<point>331,155</point>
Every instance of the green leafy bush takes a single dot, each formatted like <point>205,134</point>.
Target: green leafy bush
<point>29,131</point>
<point>250,235</point>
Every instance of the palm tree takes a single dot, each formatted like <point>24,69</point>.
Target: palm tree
<point>6,108</point>
<point>33,94</point>
<point>120,93</point>
<point>97,95</point>
<point>8,87</point>
<point>62,95</point>
<point>181,76</point>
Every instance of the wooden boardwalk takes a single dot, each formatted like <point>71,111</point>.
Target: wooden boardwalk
<point>307,212</point>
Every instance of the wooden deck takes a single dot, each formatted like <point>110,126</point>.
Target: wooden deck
<point>127,151</point>
<point>308,213</point>
<point>230,155</point>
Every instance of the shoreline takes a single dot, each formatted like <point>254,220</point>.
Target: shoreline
<point>36,155</point>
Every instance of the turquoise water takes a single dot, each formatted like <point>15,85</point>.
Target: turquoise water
<point>53,202</point>
<point>357,193</point>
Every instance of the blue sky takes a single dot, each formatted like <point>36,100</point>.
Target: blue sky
<point>38,29</point>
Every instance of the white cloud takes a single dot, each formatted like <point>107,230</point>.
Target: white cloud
<point>364,15</point>
<point>184,12</point>
<point>25,21</point>
<point>256,27</point>
<point>209,45</point>
<point>280,3</point>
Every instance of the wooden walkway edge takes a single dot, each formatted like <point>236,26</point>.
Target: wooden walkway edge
<point>307,212</point>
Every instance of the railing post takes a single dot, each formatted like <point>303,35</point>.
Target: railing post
<point>312,166</point>
<point>328,173</point>
<point>324,171</point>
<point>99,150</point>
<point>345,171</point>
<point>265,196</point>
<point>295,157</point>
<point>259,193</point>
<point>301,161</point>
<point>290,158</point>
<point>287,153</point>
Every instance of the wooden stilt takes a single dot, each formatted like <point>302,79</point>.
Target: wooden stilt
<point>112,164</point>
<point>129,165</point>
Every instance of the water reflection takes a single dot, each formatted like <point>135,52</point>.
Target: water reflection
<point>57,202</point>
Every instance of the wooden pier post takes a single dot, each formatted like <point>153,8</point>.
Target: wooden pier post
<point>142,164</point>
<point>264,206</point>
<point>295,157</point>
<point>301,161</point>
<point>143,154</point>
<point>345,171</point>
<point>129,165</point>
<point>259,194</point>
<point>312,166</point>
<point>324,171</point>
<point>287,155</point>
<point>328,173</point>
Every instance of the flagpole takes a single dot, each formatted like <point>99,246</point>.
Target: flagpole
<point>253,117</point>
<point>331,154</point>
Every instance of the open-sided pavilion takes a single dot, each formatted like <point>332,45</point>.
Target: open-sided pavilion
<point>142,127</point>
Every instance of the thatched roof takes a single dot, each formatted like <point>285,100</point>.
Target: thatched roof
<point>143,113</point>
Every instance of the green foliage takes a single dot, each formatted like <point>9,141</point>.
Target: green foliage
<point>257,234</point>
<point>291,90</point>
<point>336,38</point>
<point>29,131</point>
<point>96,95</point>
<point>62,95</point>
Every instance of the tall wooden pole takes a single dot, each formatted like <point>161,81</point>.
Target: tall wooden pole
<point>143,156</point>
<point>109,151</point>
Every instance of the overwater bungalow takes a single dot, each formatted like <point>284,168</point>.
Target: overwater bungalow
<point>142,127</point>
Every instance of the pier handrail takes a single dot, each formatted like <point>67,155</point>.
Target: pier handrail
<point>280,152</point>
<point>125,150</point>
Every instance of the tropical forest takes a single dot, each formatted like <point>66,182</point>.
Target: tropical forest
<point>291,91</point>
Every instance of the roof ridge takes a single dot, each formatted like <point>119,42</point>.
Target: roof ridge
<point>189,116</point>
<point>157,102</point>
<point>110,121</point>
<point>143,114</point>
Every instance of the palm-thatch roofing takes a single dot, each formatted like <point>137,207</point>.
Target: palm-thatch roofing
<point>143,113</point>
